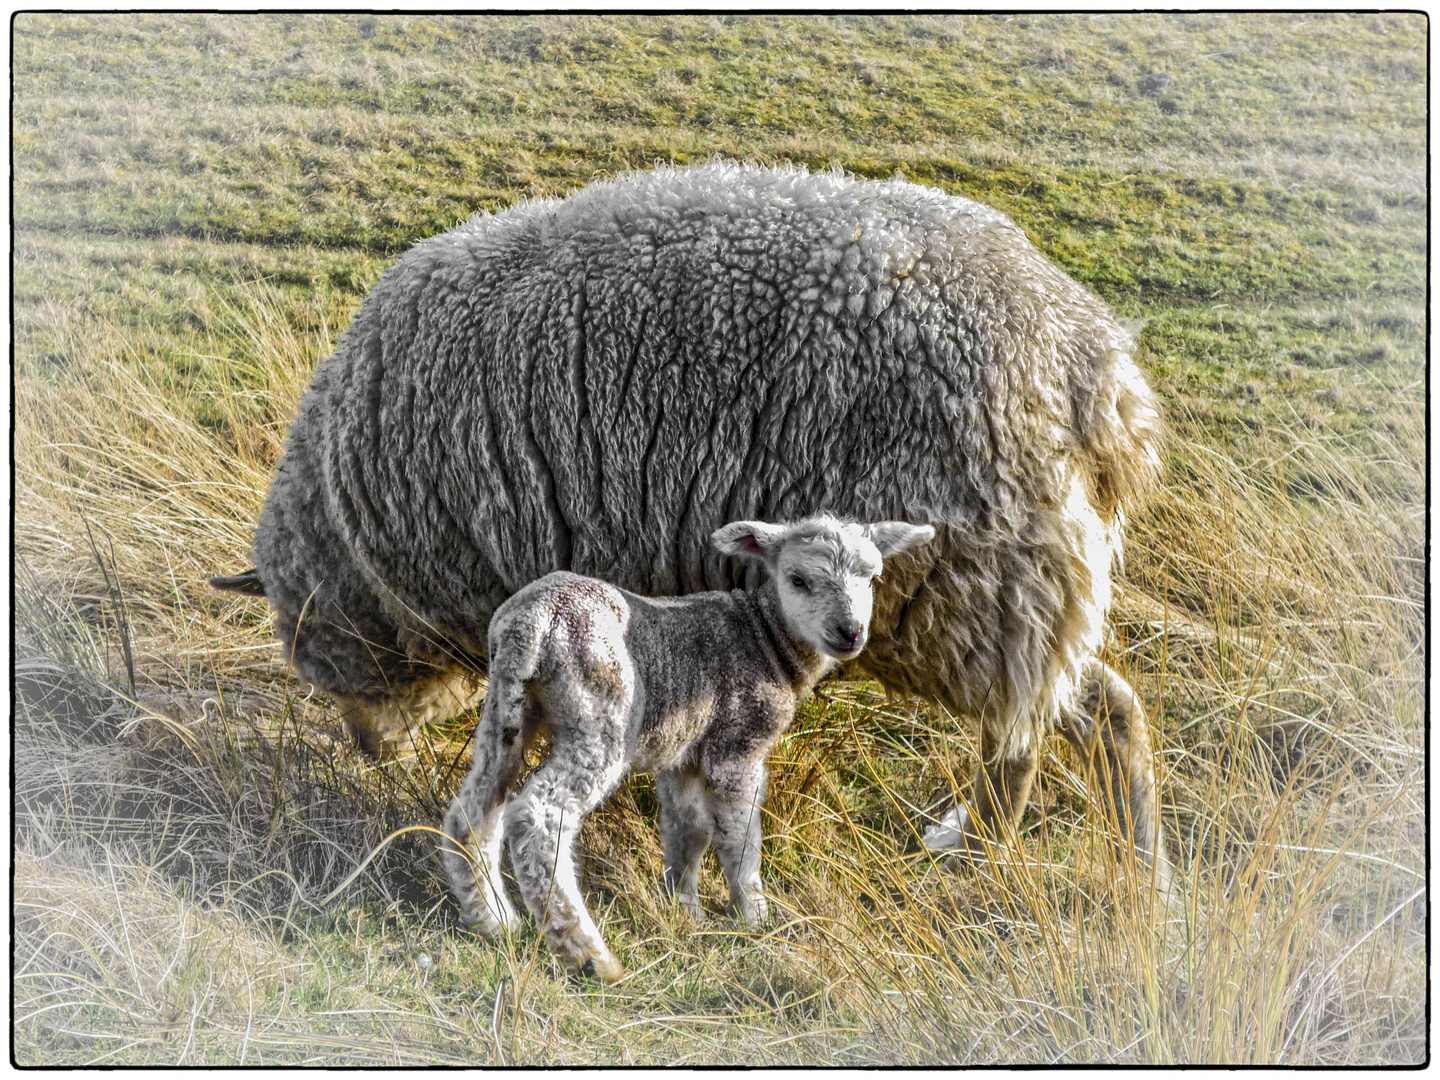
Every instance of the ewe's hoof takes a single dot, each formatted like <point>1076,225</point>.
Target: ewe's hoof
<point>949,835</point>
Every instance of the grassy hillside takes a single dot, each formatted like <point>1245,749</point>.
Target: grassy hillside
<point>200,203</point>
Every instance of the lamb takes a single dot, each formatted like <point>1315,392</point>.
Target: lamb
<point>696,688</point>
<point>595,384</point>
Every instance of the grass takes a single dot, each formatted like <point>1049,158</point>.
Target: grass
<point>201,201</point>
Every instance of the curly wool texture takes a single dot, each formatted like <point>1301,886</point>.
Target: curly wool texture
<point>595,384</point>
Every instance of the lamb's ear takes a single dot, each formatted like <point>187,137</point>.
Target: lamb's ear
<point>893,537</point>
<point>753,540</point>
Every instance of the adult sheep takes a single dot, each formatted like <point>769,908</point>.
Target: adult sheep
<point>597,383</point>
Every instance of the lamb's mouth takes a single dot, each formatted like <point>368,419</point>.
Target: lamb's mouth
<point>845,652</point>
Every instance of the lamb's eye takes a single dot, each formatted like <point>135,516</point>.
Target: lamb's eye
<point>799,583</point>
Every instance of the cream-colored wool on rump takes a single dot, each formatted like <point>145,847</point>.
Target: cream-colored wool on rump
<point>595,384</point>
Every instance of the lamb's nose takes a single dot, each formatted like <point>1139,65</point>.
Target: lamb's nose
<point>850,635</point>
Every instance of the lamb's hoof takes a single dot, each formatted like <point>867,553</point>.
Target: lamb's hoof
<point>483,922</point>
<point>493,930</point>
<point>605,968</point>
<point>585,956</point>
<point>755,913</point>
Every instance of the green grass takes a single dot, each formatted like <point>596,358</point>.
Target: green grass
<point>200,203</point>
<point>161,159</point>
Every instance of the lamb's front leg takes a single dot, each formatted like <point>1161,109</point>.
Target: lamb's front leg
<point>686,827</point>
<point>735,794</point>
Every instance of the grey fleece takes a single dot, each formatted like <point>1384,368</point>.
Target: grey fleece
<point>595,384</point>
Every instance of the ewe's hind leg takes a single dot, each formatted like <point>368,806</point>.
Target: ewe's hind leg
<point>474,835</point>
<point>735,794</point>
<point>998,798</point>
<point>542,822</point>
<point>1111,736</point>
<point>686,827</point>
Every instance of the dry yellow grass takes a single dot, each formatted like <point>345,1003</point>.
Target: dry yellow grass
<point>175,837</point>
<point>182,807</point>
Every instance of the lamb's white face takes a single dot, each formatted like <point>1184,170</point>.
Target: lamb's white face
<point>825,591</point>
<point>823,571</point>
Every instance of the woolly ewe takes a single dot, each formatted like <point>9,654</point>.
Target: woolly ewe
<point>595,384</point>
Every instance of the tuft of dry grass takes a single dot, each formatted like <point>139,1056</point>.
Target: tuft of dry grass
<point>175,838</point>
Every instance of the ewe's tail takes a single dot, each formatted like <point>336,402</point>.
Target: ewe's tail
<point>1124,445</point>
<point>248,583</point>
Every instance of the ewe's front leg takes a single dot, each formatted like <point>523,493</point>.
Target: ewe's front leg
<point>686,827</point>
<point>378,725</point>
<point>385,725</point>
<point>735,795</point>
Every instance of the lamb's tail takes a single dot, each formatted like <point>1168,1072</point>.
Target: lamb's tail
<point>248,583</point>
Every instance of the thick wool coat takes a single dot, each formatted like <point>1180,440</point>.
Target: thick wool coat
<point>595,384</point>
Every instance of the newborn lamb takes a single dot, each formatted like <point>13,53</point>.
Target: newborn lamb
<point>697,688</point>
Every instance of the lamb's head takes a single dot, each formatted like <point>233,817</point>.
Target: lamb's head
<point>823,569</point>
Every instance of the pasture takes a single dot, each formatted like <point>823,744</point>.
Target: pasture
<point>200,203</point>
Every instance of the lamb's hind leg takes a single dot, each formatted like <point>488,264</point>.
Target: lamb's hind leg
<point>998,796</point>
<point>686,827</point>
<point>543,821</point>
<point>474,835</point>
<point>1109,732</point>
